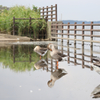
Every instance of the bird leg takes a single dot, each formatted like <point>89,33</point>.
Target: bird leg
<point>40,56</point>
<point>57,64</point>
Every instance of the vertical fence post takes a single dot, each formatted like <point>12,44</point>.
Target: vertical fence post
<point>56,35</point>
<point>62,37</point>
<point>68,43</point>
<point>43,12</point>
<point>13,54</point>
<point>47,14</point>
<point>91,42</point>
<point>30,26</point>
<point>13,25</point>
<point>75,43</point>
<point>56,11</point>
<point>83,45</point>
<point>51,12</point>
<point>51,65</point>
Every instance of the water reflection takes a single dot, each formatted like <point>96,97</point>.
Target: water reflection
<point>96,92</point>
<point>22,58</point>
<point>41,64</point>
<point>57,74</point>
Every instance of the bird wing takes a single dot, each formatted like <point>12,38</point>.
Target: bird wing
<point>62,55</point>
<point>56,56</point>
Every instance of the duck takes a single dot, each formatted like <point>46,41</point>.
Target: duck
<point>57,74</point>
<point>55,54</point>
<point>40,64</point>
<point>41,51</point>
<point>96,92</point>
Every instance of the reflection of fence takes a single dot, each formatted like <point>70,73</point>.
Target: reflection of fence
<point>77,33</point>
<point>49,12</point>
<point>30,31</point>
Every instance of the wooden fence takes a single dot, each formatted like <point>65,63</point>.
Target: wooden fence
<point>30,32</point>
<point>83,34</point>
<point>50,13</point>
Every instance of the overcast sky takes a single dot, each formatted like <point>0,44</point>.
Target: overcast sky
<point>88,10</point>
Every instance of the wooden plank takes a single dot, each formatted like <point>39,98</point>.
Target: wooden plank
<point>97,30</point>
<point>78,24</point>
<point>76,34</point>
<point>76,39</point>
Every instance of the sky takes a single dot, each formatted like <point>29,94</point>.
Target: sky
<point>84,10</point>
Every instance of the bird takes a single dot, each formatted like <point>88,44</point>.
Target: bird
<point>40,64</point>
<point>41,51</point>
<point>57,74</point>
<point>96,92</point>
<point>55,54</point>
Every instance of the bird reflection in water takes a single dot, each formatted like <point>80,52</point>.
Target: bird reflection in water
<point>40,64</point>
<point>96,92</point>
<point>57,74</point>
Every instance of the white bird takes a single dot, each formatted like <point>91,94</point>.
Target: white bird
<point>57,74</point>
<point>40,64</point>
<point>96,92</point>
<point>41,51</point>
<point>55,54</point>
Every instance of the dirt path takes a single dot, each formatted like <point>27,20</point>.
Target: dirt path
<point>5,39</point>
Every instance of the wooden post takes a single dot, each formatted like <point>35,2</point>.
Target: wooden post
<point>51,65</point>
<point>62,37</point>
<point>56,11</point>
<point>30,26</point>
<point>51,12</point>
<point>13,54</point>
<point>83,45</point>
<point>13,25</point>
<point>43,12</point>
<point>56,35</point>
<point>68,44</point>
<point>75,43</point>
<point>47,14</point>
<point>91,46</point>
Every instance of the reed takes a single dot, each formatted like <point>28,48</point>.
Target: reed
<point>22,26</point>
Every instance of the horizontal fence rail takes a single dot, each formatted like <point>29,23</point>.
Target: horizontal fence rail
<point>50,13</point>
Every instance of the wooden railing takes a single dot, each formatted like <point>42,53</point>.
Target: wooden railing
<point>50,13</point>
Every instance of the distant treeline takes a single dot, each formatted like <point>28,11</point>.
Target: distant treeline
<point>78,22</point>
<point>3,8</point>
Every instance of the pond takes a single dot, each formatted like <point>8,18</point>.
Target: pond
<point>20,79</point>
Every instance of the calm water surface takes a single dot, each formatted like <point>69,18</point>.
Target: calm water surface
<point>20,80</point>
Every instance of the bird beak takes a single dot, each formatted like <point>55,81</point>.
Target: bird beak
<point>49,49</point>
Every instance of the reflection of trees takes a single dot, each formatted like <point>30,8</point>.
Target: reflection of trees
<point>18,58</point>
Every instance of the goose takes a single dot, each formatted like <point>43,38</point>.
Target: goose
<point>55,54</point>
<point>57,74</point>
<point>41,51</point>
